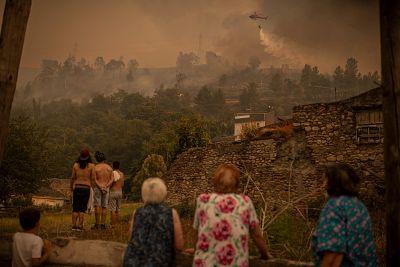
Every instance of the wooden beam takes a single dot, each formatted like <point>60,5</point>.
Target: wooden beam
<point>390,55</point>
<point>15,19</point>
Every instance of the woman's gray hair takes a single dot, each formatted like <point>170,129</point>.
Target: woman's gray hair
<point>154,191</point>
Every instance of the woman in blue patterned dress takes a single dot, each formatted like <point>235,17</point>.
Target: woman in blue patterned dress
<point>156,230</point>
<point>344,235</point>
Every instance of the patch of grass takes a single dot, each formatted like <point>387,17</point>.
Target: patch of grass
<point>289,237</point>
<point>56,224</point>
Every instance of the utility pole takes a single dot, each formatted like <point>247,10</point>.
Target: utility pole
<point>15,20</point>
<point>390,54</point>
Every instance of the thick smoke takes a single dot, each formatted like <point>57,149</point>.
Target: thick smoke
<point>318,32</point>
<point>327,32</point>
<point>323,33</point>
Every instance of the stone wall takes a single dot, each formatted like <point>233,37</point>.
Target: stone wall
<point>331,137</point>
<point>276,166</point>
<point>323,133</point>
<point>71,252</point>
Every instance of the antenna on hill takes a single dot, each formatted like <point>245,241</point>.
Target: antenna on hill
<point>200,51</point>
<point>75,50</point>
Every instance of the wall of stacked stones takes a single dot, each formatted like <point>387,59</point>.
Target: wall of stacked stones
<point>280,167</point>
<point>270,163</point>
<point>331,136</point>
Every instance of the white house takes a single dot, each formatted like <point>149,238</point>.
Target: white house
<point>258,120</point>
<point>48,197</point>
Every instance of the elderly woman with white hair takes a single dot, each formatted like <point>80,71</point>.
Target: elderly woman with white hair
<point>156,230</point>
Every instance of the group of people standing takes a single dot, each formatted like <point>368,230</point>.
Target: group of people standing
<point>224,221</point>
<point>101,180</point>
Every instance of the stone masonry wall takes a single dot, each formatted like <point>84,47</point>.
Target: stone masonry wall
<point>270,163</point>
<point>331,137</point>
<point>324,133</point>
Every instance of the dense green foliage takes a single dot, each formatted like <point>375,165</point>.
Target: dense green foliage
<point>26,158</point>
<point>153,166</point>
<point>128,126</point>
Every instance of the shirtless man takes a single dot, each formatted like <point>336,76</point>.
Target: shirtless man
<point>102,181</point>
<point>114,204</point>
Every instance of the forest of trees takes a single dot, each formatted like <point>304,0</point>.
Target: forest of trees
<point>146,130</point>
<point>46,138</point>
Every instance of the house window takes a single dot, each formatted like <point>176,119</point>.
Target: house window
<point>369,128</point>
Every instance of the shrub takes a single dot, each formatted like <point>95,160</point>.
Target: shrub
<point>185,209</point>
<point>249,132</point>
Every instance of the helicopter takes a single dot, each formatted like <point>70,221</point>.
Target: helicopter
<point>257,16</point>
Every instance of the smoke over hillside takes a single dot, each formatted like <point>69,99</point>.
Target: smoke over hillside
<point>322,33</point>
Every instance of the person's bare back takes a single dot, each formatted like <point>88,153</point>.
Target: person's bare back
<point>103,175</point>
<point>118,184</point>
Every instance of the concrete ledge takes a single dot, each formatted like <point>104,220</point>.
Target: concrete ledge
<point>73,252</point>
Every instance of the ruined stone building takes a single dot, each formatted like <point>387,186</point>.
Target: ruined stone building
<point>285,168</point>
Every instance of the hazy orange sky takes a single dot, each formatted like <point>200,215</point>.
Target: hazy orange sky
<point>319,32</point>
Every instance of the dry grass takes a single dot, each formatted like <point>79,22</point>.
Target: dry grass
<point>57,224</point>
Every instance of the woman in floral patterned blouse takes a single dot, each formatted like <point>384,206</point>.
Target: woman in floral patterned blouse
<point>224,220</point>
<point>343,236</point>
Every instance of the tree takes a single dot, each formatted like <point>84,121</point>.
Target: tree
<point>276,83</point>
<point>24,165</point>
<point>305,79</point>
<point>338,77</point>
<point>99,64</point>
<point>180,78</point>
<point>48,69</point>
<point>290,87</point>
<point>101,103</point>
<point>210,101</point>
<point>191,132</point>
<point>249,98</point>
<point>186,61</point>
<point>223,80</point>
<point>68,66</point>
<point>170,99</point>
<point>218,99</point>
<point>153,166</point>
<point>163,143</point>
<point>213,60</point>
<point>131,103</point>
<point>132,67</point>
<point>115,66</point>
<point>203,97</point>
<point>351,73</point>
<point>315,85</point>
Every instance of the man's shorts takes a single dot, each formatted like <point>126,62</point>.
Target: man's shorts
<point>100,199</point>
<point>80,199</point>
<point>115,201</point>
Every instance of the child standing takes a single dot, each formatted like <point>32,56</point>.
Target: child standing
<point>28,248</point>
